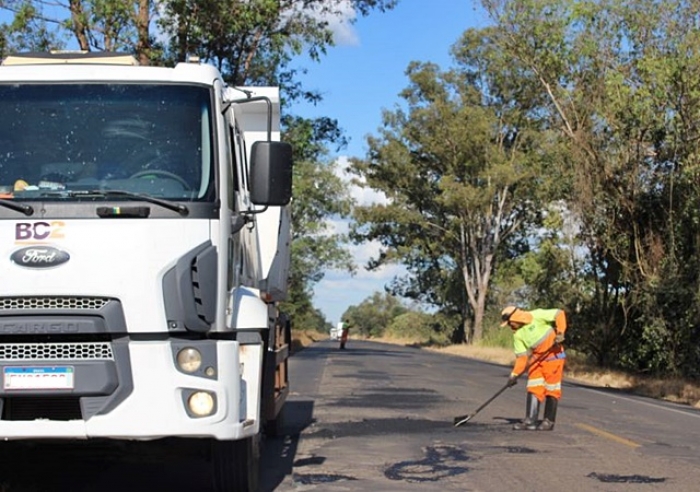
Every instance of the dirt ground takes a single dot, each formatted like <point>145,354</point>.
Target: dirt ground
<point>676,390</point>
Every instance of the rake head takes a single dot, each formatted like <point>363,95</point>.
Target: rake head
<point>462,419</point>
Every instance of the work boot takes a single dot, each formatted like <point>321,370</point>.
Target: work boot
<point>532,411</point>
<point>550,414</point>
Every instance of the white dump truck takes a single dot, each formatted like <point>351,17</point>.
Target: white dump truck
<point>145,220</point>
<point>336,331</point>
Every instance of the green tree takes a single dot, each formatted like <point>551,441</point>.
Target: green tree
<point>28,30</point>
<point>318,195</point>
<point>93,25</point>
<point>423,328</point>
<point>618,80</point>
<point>251,41</point>
<point>373,315</point>
<point>461,175</point>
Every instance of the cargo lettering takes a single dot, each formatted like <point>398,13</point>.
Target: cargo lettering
<point>37,327</point>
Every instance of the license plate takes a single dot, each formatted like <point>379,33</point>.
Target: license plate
<point>26,378</point>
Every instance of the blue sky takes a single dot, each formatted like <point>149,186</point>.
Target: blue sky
<point>359,77</point>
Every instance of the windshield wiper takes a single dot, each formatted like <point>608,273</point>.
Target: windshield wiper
<point>18,207</point>
<point>175,207</point>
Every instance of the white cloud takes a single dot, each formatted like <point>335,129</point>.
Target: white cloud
<point>339,14</point>
<point>344,34</point>
<point>361,195</point>
<point>361,253</point>
<point>339,290</point>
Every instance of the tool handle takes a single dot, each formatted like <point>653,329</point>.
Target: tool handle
<point>465,418</point>
<point>506,386</point>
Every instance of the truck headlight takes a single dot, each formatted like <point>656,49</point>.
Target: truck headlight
<point>201,403</point>
<point>189,359</point>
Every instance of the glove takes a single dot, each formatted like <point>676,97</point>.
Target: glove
<point>559,338</point>
<point>512,381</point>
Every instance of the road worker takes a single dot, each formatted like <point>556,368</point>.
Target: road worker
<point>537,338</point>
<point>344,332</point>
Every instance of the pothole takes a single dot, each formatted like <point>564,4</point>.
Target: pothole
<point>440,462</point>
<point>319,478</point>
<point>612,478</point>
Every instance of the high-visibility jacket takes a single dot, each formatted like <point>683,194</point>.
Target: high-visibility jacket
<point>537,337</point>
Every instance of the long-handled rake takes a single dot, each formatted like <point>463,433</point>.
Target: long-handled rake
<point>463,419</point>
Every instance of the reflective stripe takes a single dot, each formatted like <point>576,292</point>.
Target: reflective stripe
<point>535,382</point>
<point>552,387</point>
<point>560,355</point>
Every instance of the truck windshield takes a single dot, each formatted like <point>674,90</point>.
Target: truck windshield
<point>139,138</point>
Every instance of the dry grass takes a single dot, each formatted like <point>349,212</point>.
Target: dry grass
<point>301,339</point>
<point>576,369</point>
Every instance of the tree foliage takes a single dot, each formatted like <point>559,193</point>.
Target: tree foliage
<point>620,84</point>
<point>318,194</point>
<point>590,107</point>
<point>461,179</point>
<point>371,317</point>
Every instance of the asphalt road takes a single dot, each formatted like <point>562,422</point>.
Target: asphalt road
<point>378,417</point>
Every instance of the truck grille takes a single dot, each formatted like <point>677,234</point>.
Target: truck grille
<point>52,302</point>
<point>56,351</point>
<point>33,408</point>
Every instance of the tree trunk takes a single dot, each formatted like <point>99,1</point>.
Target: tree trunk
<point>479,311</point>
<point>143,45</point>
<point>77,18</point>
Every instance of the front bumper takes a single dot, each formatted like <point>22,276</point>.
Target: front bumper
<point>148,401</point>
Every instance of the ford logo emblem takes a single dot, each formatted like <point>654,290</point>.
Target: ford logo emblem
<point>39,257</point>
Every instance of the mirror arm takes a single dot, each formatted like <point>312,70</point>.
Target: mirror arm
<point>238,221</point>
<point>253,99</point>
<point>253,212</point>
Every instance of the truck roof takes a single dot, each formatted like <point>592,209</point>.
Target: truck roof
<point>72,57</point>
<point>98,67</point>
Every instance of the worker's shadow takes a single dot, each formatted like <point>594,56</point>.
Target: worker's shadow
<point>497,423</point>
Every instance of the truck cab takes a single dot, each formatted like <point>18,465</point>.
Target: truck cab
<point>145,217</point>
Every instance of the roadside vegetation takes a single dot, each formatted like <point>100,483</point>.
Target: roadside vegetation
<point>577,368</point>
<point>555,163</point>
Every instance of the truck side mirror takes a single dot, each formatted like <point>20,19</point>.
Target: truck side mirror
<point>271,173</point>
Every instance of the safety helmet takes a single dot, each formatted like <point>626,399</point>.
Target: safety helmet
<point>516,315</point>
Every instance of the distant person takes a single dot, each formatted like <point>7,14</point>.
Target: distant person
<point>344,332</point>
<point>538,334</point>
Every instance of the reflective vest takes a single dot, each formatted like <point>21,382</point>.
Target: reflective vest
<point>528,337</point>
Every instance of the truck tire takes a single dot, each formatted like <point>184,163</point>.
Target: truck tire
<point>236,465</point>
<point>275,427</point>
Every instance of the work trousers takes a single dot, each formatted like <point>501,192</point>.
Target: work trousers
<point>544,378</point>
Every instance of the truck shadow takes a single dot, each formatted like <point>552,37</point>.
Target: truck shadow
<point>278,453</point>
<point>106,466</point>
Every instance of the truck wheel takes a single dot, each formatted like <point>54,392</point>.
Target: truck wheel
<point>276,427</point>
<point>236,465</point>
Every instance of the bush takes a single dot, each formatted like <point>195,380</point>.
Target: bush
<point>498,337</point>
<point>418,327</point>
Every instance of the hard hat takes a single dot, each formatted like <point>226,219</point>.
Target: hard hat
<point>516,315</point>
<point>507,313</point>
